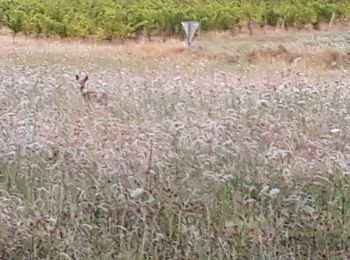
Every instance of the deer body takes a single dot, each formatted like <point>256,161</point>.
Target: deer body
<point>89,95</point>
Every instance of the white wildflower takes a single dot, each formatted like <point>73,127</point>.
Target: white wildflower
<point>274,192</point>
<point>227,177</point>
<point>263,103</point>
<point>176,127</point>
<point>277,153</point>
<point>136,193</point>
<point>335,131</point>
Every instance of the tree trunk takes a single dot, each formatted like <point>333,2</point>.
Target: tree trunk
<point>14,37</point>
<point>250,29</point>
<point>284,23</point>
<point>331,21</point>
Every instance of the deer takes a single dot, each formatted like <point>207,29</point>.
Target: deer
<point>89,95</point>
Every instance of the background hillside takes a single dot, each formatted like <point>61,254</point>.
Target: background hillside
<point>112,19</point>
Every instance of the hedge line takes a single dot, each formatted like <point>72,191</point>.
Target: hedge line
<point>124,18</point>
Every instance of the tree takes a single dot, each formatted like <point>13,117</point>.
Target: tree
<point>252,11</point>
<point>15,20</point>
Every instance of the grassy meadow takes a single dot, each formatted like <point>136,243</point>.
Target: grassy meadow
<point>192,157</point>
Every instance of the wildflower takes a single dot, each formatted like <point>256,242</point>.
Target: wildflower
<point>274,192</point>
<point>136,193</point>
<point>335,131</point>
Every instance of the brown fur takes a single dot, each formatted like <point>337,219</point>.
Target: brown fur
<point>89,95</point>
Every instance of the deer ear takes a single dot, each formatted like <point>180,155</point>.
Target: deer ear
<point>86,78</point>
<point>77,77</point>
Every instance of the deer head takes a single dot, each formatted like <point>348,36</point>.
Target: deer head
<point>82,82</point>
<point>89,95</point>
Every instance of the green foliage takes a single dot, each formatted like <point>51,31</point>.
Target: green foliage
<point>122,19</point>
<point>15,20</point>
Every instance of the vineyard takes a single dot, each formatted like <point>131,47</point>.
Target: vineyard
<point>122,19</point>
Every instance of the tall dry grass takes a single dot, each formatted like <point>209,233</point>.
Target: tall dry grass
<point>183,163</point>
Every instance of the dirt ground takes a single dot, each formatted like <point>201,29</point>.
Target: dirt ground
<point>323,52</point>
